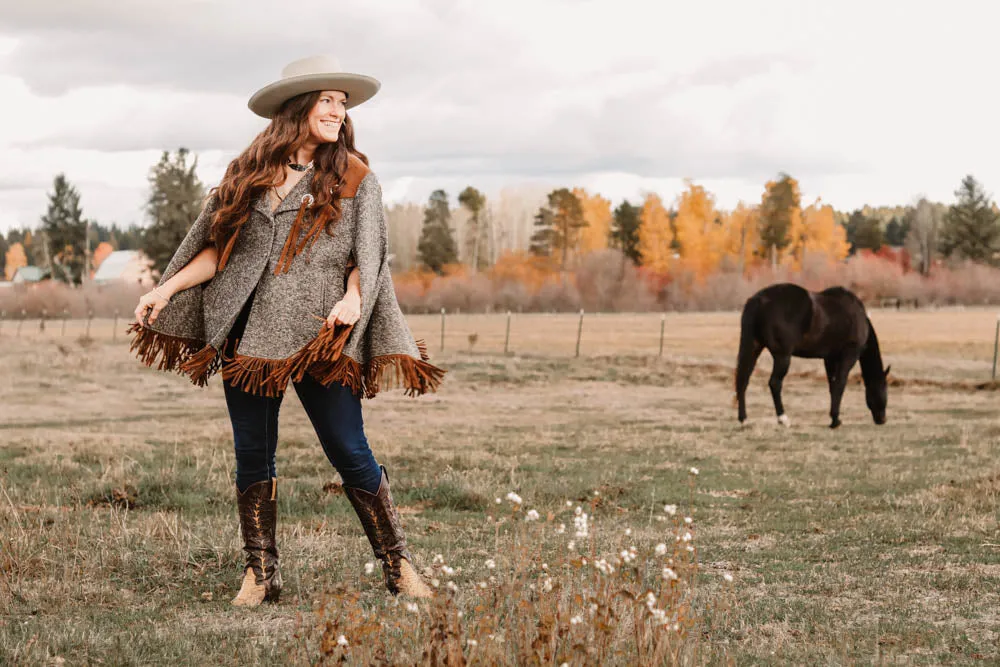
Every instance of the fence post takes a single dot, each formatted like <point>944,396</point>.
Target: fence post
<point>3,316</point>
<point>114,331</point>
<point>579,333</point>
<point>20,322</point>
<point>65,317</point>
<point>442,329</point>
<point>996,344</point>
<point>506,338</point>
<point>90,317</point>
<point>663,327</point>
<point>41,322</point>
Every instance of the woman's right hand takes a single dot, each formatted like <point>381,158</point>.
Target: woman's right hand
<point>153,303</point>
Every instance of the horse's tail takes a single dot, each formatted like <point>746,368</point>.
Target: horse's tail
<point>745,358</point>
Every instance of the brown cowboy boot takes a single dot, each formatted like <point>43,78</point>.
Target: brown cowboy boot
<point>385,533</point>
<point>258,507</point>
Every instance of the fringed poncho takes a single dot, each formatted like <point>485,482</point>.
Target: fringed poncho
<point>295,276</point>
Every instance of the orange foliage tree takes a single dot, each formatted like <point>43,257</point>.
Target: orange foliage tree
<point>698,231</point>
<point>597,216</point>
<point>655,236</point>
<point>741,240</point>
<point>16,258</point>
<point>822,235</point>
<point>525,268</point>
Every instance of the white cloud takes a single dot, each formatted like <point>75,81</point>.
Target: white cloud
<point>862,101</point>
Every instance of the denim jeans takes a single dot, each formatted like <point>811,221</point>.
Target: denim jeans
<point>335,413</point>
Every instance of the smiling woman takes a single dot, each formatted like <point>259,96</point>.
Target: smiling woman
<point>284,278</point>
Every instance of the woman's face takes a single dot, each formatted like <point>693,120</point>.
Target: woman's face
<point>327,116</point>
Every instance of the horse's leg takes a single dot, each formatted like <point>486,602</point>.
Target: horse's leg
<point>743,373</point>
<point>837,370</point>
<point>781,364</point>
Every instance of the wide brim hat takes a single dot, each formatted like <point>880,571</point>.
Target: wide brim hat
<point>308,75</point>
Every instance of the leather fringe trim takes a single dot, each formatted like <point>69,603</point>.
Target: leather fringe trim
<point>173,353</point>
<point>322,358</point>
<point>400,370</point>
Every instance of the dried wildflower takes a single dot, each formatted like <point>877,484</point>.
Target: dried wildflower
<point>514,498</point>
<point>369,567</point>
<point>687,536</point>
<point>688,520</point>
<point>447,570</point>
<point>694,471</point>
<point>472,643</point>
<point>661,549</point>
<point>435,582</point>
<point>490,564</point>
<point>531,516</point>
<point>569,503</point>
<point>438,559</point>
<point>412,607</point>
<point>571,546</point>
<point>341,640</point>
<point>669,574</point>
<point>670,509</point>
<point>561,529</point>
<point>728,577</point>
<point>576,620</point>
<point>578,510</point>
<point>547,585</point>
<point>628,532</point>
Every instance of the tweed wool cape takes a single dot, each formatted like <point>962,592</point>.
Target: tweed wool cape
<point>295,280</point>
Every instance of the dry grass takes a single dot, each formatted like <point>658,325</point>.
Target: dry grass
<point>119,542</point>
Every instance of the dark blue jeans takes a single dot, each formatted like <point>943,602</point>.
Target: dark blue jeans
<point>335,413</point>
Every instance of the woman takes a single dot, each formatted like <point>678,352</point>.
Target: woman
<point>284,277</point>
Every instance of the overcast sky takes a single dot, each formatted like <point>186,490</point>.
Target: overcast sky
<point>864,102</point>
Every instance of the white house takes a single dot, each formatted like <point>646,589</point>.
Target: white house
<point>129,266</point>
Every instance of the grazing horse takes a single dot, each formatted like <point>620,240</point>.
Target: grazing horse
<point>790,321</point>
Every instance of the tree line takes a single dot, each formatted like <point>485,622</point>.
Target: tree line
<point>692,234</point>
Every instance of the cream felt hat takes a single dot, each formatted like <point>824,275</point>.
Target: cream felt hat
<point>309,74</point>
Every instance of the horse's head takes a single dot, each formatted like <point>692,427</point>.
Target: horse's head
<point>877,396</point>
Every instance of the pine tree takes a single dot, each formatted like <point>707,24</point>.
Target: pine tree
<point>972,226</point>
<point>864,232</point>
<point>625,231</point>
<point>64,233</point>
<point>557,226</point>
<point>437,245</point>
<point>175,200</point>
<point>477,235</point>
<point>780,218</point>
<point>543,239</point>
<point>3,255</point>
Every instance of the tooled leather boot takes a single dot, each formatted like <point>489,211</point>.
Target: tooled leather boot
<point>258,507</point>
<point>385,533</point>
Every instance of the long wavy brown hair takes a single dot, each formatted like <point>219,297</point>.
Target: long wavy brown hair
<point>262,165</point>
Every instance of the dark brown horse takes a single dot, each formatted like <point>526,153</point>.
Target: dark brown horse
<point>831,325</point>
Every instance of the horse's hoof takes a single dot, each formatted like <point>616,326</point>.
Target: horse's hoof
<point>835,423</point>
<point>784,421</point>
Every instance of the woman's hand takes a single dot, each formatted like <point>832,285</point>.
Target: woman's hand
<point>347,311</point>
<point>153,302</point>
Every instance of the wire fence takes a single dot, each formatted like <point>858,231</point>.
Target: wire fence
<point>701,336</point>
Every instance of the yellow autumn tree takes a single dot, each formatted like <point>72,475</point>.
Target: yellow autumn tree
<point>698,231</point>
<point>597,215</point>
<point>655,236</point>
<point>16,258</point>
<point>741,228</point>
<point>823,236</point>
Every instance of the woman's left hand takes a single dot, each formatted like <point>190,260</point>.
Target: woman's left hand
<point>347,311</point>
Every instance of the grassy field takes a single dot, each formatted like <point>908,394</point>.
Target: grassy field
<point>119,542</point>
